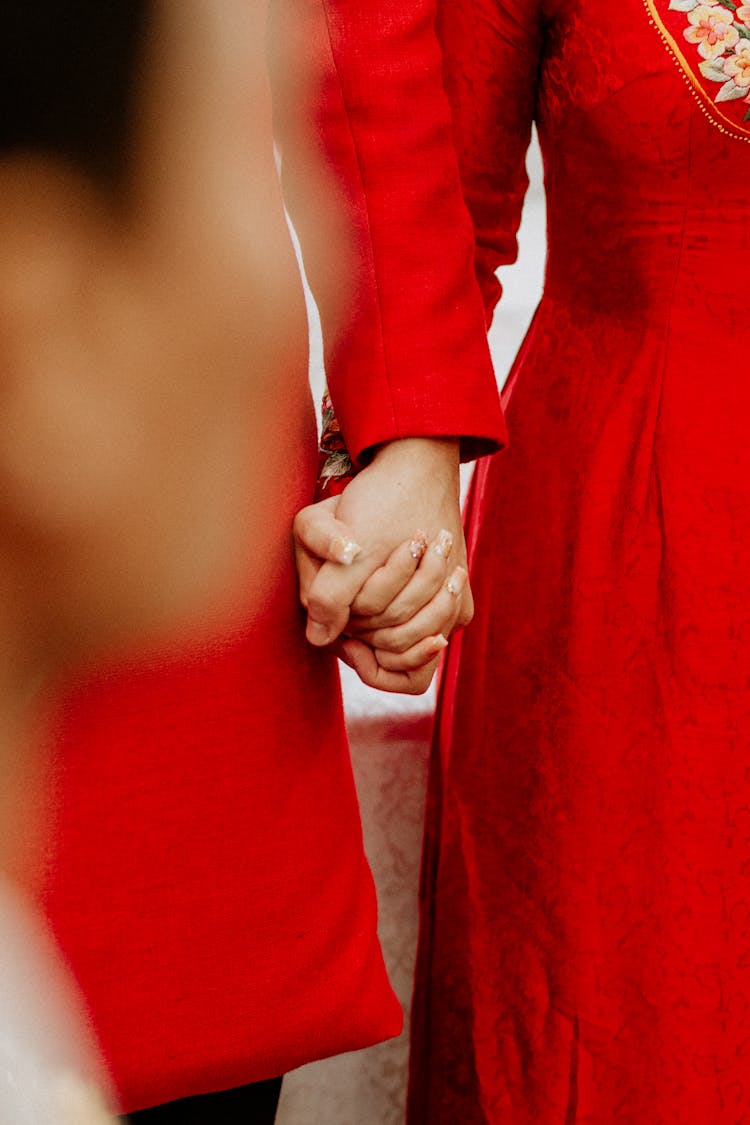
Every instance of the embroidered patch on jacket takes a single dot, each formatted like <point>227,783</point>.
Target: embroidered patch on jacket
<point>710,41</point>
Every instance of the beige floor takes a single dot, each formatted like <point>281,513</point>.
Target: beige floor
<point>389,749</point>
<point>390,744</point>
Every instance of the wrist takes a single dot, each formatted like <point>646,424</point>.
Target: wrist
<point>442,452</point>
<point>422,467</point>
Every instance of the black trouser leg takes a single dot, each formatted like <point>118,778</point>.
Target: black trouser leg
<point>247,1105</point>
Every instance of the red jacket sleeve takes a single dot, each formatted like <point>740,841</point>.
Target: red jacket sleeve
<point>491,61</point>
<point>410,357</point>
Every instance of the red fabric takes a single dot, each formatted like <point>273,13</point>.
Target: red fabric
<point>413,341</point>
<point>207,881</point>
<point>585,952</point>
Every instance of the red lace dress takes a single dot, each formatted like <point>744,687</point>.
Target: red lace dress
<point>585,953</point>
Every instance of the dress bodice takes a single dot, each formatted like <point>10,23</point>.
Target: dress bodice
<point>647,153</point>
<point>645,189</point>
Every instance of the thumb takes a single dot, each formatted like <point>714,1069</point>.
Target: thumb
<point>317,532</point>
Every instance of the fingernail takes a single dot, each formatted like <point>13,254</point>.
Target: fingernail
<point>444,544</point>
<point>317,634</point>
<point>344,550</point>
<point>418,545</point>
<point>456,582</point>
<point>438,643</point>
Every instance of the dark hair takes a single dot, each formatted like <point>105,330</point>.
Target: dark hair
<point>68,76</point>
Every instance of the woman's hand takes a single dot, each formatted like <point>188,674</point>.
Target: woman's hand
<point>385,563</point>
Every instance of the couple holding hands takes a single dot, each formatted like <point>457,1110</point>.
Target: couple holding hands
<point>584,946</point>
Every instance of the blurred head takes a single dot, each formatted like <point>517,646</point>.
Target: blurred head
<point>144,264</point>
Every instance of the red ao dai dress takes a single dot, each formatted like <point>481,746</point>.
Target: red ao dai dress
<point>585,951</point>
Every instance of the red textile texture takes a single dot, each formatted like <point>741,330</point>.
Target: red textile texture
<point>207,881</point>
<point>585,951</point>
<point>411,359</point>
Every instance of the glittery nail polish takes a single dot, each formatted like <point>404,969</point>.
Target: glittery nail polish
<point>418,545</point>
<point>344,550</point>
<point>444,544</point>
<point>456,582</point>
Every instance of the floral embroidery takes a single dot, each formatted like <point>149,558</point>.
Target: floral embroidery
<point>720,29</point>
<point>737,66</point>
<point>712,29</point>
<point>710,40</point>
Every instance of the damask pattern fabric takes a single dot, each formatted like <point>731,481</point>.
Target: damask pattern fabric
<point>585,951</point>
